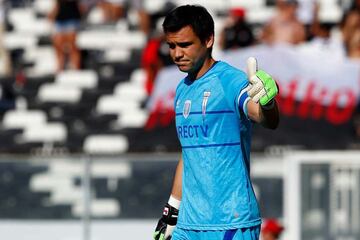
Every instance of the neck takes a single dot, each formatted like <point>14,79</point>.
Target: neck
<point>206,65</point>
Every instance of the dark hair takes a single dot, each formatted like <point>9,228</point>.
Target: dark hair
<point>195,16</point>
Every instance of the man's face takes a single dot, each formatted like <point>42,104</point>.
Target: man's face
<point>186,49</point>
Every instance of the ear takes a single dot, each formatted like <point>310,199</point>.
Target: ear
<point>210,41</point>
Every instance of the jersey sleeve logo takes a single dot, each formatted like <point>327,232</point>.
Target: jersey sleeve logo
<point>187,108</point>
<point>204,102</point>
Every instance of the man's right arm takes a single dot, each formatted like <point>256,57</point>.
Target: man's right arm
<point>176,191</point>
<point>167,222</point>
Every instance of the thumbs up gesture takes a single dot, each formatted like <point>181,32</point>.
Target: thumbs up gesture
<point>262,87</point>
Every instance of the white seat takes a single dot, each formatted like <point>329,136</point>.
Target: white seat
<point>23,118</point>
<point>20,15</point>
<point>135,118</point>
<point>51,132</point>
<point>44,6</point>
<point>50,92</point>
<point>211,5</point>
<point>253,4</point>
<point>99,208</point>
<point>138,76</point>
<point>14,40</point>
<point>152,6</point>
<point>260,15</point>
<point>330,11</point>
<point>106,144</point>
<point>105,39</point>
<point>77,79</point>
<point>130,92</point>
<point>115,54</point>
<point>24,21</point>
<point>115,104</point>
<point>44,59</point>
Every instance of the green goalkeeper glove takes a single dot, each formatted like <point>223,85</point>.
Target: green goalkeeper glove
<point>262,87</point>
<point>167,223</point>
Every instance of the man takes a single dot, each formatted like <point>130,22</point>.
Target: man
<point>284,27</point>
<point>215,106</point>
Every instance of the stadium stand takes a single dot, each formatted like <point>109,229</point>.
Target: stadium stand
<point>102,107</point>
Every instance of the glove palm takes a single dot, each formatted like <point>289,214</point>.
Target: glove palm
<point>166,224</point>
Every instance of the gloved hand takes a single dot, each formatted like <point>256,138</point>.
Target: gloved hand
<point>167,223</point>
<point>262,87</point>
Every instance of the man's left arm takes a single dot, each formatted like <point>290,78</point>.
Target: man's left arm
<point>267,116</point>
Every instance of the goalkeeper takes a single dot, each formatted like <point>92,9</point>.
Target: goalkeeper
<point>216,106</point>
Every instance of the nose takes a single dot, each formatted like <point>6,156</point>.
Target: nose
<point>178,53</point>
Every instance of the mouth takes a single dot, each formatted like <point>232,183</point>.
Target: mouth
<point>182,63</point>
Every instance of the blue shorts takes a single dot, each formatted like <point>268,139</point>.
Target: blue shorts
<point>67,26</point>
<point>251,233</point>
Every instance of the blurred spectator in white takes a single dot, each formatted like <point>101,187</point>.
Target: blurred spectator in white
<point>113,10</point>
<point>237,33</point>
<point>285,26</point>
<point>5,65</point>
<point>335,38</point>
<point>271,229</point>
<point>66,16</point>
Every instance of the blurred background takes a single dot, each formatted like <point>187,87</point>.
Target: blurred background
<point>87,138</point>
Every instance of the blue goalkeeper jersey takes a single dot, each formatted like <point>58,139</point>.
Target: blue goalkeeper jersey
<point>215,135</point>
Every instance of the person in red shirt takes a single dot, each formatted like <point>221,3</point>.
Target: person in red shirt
<point>271,229</point>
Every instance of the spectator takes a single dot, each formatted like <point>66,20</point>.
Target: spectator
<point>271,230</point>
<point>319,30</point>
<point>353,45</point>
<point>284,27</point>
<point>113,10</point>
<point>237,32</point>
<point>349,26</point>
<point>67,16</point>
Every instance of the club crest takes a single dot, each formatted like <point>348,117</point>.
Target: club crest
<point>187,108</point>
<point>204,102</point>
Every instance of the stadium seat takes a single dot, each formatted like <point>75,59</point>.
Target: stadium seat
<point>115,104</point>
<point>132,119</point>
<point>43,6</point>
<point>44,61</point>
<point>116,55</point>
<point>99,208</point>
<point>108,38</point>
<point>49,92</point>
<point>23,119</point>
<point>24,20</point>
<point>330,11</point>
<point>130,92</point>
<point>77,79</point>
<point>15,40</point>
<point>105,144</point>
<point>50,132</point>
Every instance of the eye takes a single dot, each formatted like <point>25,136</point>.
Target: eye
<point>171,45</point>
<point>184,44</point>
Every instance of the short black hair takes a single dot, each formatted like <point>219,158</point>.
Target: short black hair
<point>195,16</point>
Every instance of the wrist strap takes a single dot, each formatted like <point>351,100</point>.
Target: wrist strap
<point>174,202</point>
